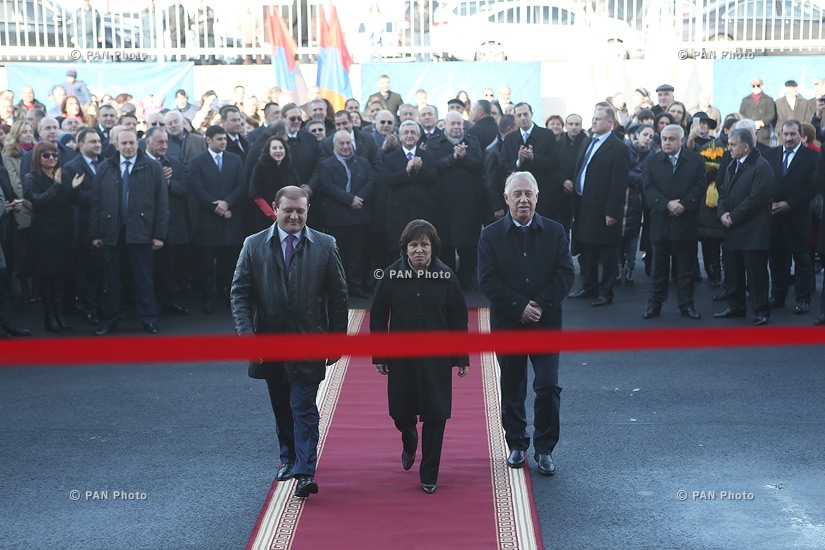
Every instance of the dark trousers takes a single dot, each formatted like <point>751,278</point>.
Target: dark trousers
<point>432,440</point>
<point>351,240</point>
<point>755,264</point>
<point>166,273</point>
<point>684,253</point>
<point>5,297</point>
<point>545,408</point>
<point>87,281</point>
<point>783,248</point>
<point>591,255</point>
<point>296,418</point>
<point>217,266</point>
<point>139,259</point>
<point>465,270</point>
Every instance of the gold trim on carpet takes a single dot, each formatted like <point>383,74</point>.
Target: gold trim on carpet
<point>283,511</point>
<point>513,505</point>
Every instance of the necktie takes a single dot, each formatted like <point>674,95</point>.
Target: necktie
<point>94,166</point>
<point>219,163</point>
<point>290,248</point>
<point>673,160</point>
<point>580,178</point>
<point>526,136</point>
<point>738,165</point>
<point>785,162</point>
<point>409,156</point>
<point>125,194</point>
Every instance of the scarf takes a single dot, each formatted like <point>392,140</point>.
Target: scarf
<point>345,161</point>
<point>455,141</point>
<point>757,97</point>
<point>25,147</point>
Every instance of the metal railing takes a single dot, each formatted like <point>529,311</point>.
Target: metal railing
<point>32,30</point>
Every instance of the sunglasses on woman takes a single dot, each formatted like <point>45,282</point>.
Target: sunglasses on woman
<point>49,155</point>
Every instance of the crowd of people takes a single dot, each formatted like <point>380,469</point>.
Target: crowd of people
<point>110,200</point>
<point>110,192</point>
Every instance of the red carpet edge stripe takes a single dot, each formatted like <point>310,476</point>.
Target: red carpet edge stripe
<point>169,349</point>
<point>275,526</point>
<point>517,524</point>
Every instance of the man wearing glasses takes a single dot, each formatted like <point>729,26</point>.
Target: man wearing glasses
<point>760,107</point>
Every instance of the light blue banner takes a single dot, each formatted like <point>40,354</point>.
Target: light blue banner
<point>442,81</point>
<point>140,80</point>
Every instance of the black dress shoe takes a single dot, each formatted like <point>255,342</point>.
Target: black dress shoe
<point>516,459</point>
<point>775,303</point>
<point>150,328</point>
<point>16,331</point>
<point>429,489</point>
<point>105,329</point>
<point>545,464</point>
<point>602,301</point>
<point>583,294</point>
<point>801,307</point>
<point>285,472</point>
<point>730,313</point>
<point>92,319</point>
<point>407,460</point>
<point>721,297</point>
<point>653,310</point>
<point>175,309</point>
<point>691,313</point>
<point>760,320</point>
<point>306,486</point>
<point>820,320</point>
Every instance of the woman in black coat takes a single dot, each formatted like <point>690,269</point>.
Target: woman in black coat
<point>420,293</point>
<point>52,230</point>
<point>639,144</point>
<point>272,172</point>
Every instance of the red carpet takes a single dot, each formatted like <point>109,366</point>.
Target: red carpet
<point>366,500</point>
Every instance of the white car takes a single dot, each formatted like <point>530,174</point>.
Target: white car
<point>538,30</point>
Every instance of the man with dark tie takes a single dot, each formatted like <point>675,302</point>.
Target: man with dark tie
<point>129,217</point>
<point>744,208</point>
<point>598,206</point>
<point>87,163</point>
<point>106,119</point>
<point>428,118</point>
<point>157,144</point>
<point>794,169</point>
<point>409,175</point>
<point>289,279</point>
<point>525,270</point>
<point>215,179</point>
<point>531,149</point>
<point>674,181</point>
<point>232,122</point>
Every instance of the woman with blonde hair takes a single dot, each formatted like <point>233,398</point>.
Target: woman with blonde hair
<point>19,141</point>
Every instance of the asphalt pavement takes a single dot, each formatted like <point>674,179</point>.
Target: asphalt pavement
<point>698,448</point>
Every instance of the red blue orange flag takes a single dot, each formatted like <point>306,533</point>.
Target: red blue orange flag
<point>334,62</point>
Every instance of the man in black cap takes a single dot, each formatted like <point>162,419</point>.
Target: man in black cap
<point>457,105</point>
<point>792,107</point>
<point>665,93</point>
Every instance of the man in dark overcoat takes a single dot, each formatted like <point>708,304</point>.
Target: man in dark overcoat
<point>674,181</point>
<point>744,208</point>
<point>525,270</point>
<point>289,279</point>
<point>215,179</point>
<point>460,199</point>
